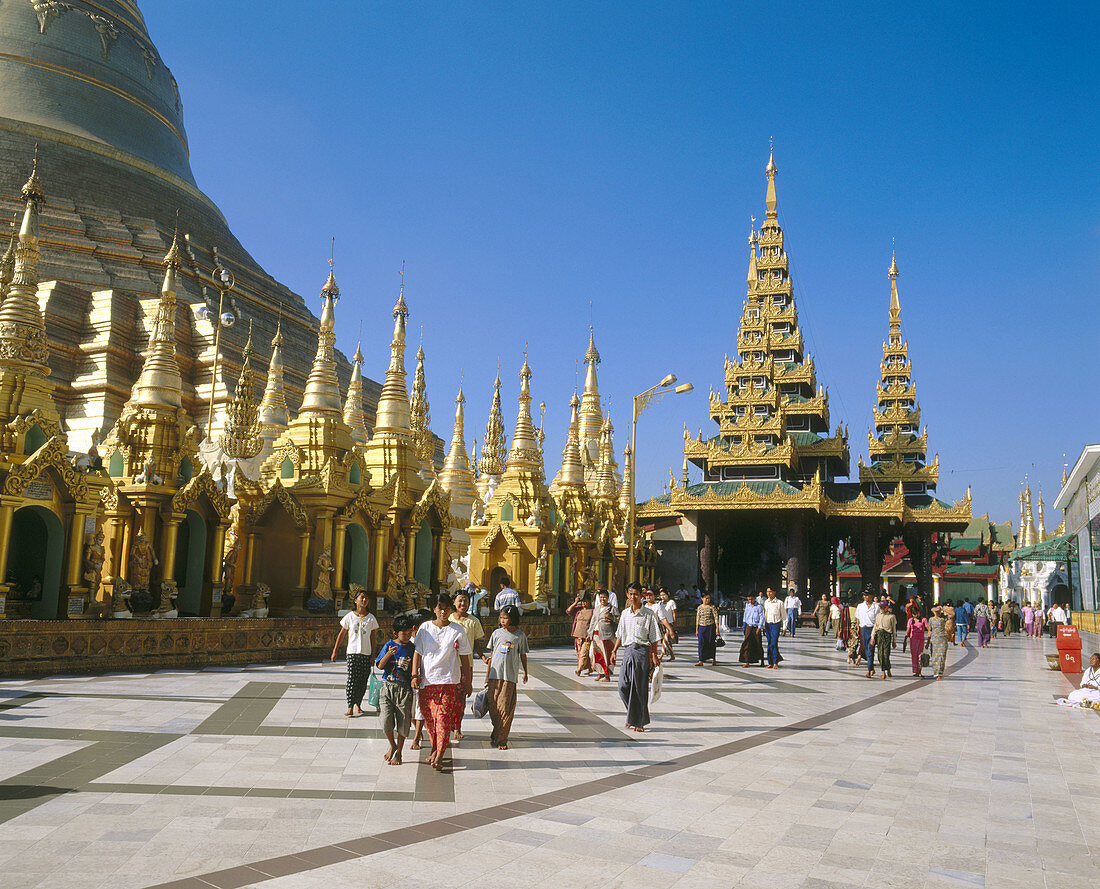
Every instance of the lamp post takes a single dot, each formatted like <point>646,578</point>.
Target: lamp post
<point>223,280</point>
<point>651,395</point>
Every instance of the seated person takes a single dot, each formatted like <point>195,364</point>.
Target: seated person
<point>1088,693</point>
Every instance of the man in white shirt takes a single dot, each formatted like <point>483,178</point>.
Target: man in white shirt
<point>1058,615</point>
<point>773,623</point>
<point>794,607</point>
<point>638,636</point>
<point>866,612</point>
<point>506,596</point>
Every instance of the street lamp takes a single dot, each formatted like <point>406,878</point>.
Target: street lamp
<point>223,281</point>
<point>641,402</point>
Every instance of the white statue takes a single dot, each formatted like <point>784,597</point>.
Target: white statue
<point>148,475</point>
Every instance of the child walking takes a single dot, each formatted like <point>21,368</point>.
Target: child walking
<point>359,626</point>
<point>507,653</point>
<point>395,703</point>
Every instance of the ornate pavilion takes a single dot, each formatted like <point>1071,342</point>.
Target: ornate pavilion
<point>772,507</point>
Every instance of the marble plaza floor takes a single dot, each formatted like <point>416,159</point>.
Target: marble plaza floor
<point>810,776</point>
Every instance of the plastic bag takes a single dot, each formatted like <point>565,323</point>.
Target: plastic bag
<point>374,690</point>
<point>479,704</point>
<point>656,681</point>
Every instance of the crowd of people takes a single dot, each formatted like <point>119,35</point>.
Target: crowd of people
<point>427,665</point>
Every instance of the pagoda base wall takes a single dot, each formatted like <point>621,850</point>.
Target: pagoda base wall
<point>46,647</point>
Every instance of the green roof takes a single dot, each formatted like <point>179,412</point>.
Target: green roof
<point>805,438</point>
<point>1057,549</point>
<point>727,489</point>
<point>953,571</point>
<point>970,544</point>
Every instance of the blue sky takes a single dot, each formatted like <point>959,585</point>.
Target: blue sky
<point>528,158</point>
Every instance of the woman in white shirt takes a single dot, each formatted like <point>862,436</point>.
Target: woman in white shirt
<point>1089,692</point>
<point>442,672</point>
<point>358,625</point>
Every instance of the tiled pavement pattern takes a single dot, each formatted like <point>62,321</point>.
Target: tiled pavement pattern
<point>810,776</point>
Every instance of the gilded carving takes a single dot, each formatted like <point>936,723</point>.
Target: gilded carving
<point>201,483</point>
<point>54,453</point>
<point>288,501</point>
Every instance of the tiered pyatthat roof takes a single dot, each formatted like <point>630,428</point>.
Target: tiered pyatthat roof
<point>897,446</point>
<point>241,436</point>
<point>493,450</point>
<point>421,421</point>
<point>773,422</point>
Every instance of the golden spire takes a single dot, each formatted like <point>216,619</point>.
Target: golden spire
<point>322,394</point>
<point>160,384</point>
<point>493,453</point>
<point>572,470</point>
<point>393,414</point>
<point>626,493</point>
<point>605,471</point>
<point>456,477</point>
<point>895,303</point>
<point>1021,536</point>
<point>898,447</point>
<point>241,437</point>
<point>753,275</point>
<point>1030,534</point>
<point>771,169</point>
<point>591,412</point>
<point>421,421</point>
<point>274,414</point>
<point>22,331</point>
<point>1041,526</point>
<point>525,446</point>
<point>353,405</point>
<point>1065,473</point>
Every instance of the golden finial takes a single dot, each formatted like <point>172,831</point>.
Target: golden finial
<point>330,288</point>
<point>32,191</point>
<point>893,259</point>
<point>172,257</point>
<point>400,308</point>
